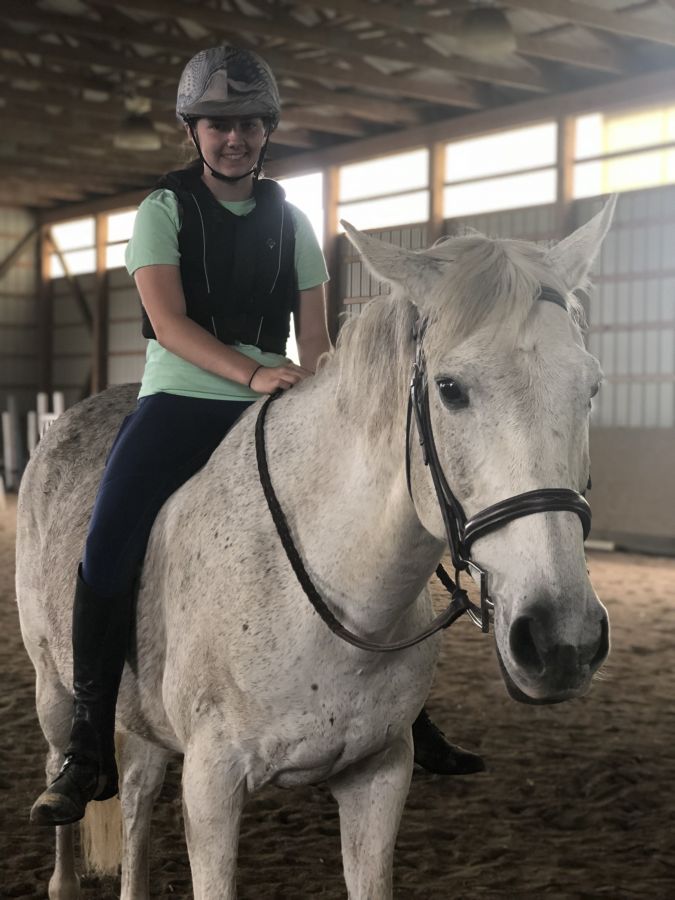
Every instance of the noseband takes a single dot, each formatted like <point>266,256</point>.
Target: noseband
<point>461,532</point>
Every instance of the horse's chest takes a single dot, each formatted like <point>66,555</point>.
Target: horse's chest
<point>345,723</point>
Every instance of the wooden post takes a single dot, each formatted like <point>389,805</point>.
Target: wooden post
<point>45,314</point>
<point>331,247</point>
<point>99,363</point>
<point>436,184</point>
<point>565,179</point>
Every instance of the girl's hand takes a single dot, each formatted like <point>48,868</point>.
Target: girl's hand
<point>268,379</point>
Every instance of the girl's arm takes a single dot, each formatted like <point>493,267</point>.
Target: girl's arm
<point>162,295</point>
<point>310,327</point>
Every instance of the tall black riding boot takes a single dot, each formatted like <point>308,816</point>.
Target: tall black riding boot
<point>436,754</point>
<point>101,628</point>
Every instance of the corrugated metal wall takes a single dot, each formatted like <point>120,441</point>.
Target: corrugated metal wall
<point>127,344</point>
<point>632,332</point>
<point>18,313</point>
<point>72,342</point>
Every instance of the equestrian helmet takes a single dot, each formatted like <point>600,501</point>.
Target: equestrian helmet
<point>228,81</point>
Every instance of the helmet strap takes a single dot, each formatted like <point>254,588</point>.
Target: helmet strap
<point>231,179</point>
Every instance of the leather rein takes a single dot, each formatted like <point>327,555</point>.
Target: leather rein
<point>461,532</point>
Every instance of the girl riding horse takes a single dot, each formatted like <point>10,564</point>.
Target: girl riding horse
<point>221,261</point>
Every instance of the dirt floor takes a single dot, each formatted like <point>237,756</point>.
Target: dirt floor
<point>578,802</point>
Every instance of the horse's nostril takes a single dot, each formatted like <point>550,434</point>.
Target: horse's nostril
<point>524,647</point>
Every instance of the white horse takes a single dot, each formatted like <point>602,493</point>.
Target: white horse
<point>231,666</point>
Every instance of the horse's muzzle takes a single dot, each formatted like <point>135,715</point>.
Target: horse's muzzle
<point>551,670</point>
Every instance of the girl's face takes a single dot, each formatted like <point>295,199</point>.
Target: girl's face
<point>232,145</point>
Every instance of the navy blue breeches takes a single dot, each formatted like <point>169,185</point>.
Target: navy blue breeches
<point>159,446</point>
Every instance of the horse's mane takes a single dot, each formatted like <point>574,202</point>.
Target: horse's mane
<point>490,283</point>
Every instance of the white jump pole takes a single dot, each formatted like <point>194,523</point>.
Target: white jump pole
<point>58,402</point>
<point>32,431</point>
<point>8,451</point>
<point>42,404</point>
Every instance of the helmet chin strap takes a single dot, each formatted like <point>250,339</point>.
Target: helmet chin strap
<point>231,179</point>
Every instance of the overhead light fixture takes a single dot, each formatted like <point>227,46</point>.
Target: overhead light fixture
<point>486,33</point>
<point>137,131</point>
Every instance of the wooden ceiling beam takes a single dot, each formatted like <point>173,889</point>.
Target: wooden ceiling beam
<point>164,97</point>
<point>357,75</point>
<point>616,22</point>
<point>22,199</point>
<point>126,200</point>
<point>368,109</point>
<point>375,110</point>
<point>404,17</point>
<point>83,54</point>
<point>52,189</point>
<point>340,125</point>
<point>79,170</point>
<point>652,87</point>
<point>72,178</point>
<point>112,113</point>
<point>70,125</point>
<point>41,75</point>
<point>334,41</point>
<point>602,59</point>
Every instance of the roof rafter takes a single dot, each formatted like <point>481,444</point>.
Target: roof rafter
<point>357,74</point>
<point>603,59</point>
<point>618,22</point>
<point>337,42</point>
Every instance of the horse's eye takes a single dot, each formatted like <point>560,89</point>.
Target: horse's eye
<point>452,393</point>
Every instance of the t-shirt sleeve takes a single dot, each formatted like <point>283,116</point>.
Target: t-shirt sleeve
<point>310,265</point>
<point>155,237</point>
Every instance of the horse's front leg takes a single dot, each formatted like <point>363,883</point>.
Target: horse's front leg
<point>371,796</point>
<point>214,791</point>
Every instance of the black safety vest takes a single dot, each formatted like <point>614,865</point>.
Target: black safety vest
<point>238,272</point>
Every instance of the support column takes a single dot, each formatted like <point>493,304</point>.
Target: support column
<point>436,183</point>
<point>565,179</point>
<point>99,362</point>
<point>45,314</point>
<point>331,241</point>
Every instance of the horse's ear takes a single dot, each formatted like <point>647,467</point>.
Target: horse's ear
<point>573,256</point>
<point>395,265</point>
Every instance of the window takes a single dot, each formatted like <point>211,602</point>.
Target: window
<point>76,241</point>
<point>305,192</point>
<point>624,152</point>
<point>120,228</point>
<point>507,170</point>
<point>388,191</point>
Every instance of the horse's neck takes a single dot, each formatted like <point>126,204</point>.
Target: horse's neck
<point>348,505</point>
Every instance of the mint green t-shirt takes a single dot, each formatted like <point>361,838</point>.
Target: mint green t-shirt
<point>155,242</point>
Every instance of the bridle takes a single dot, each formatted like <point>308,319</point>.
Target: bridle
<point>461,532</point>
